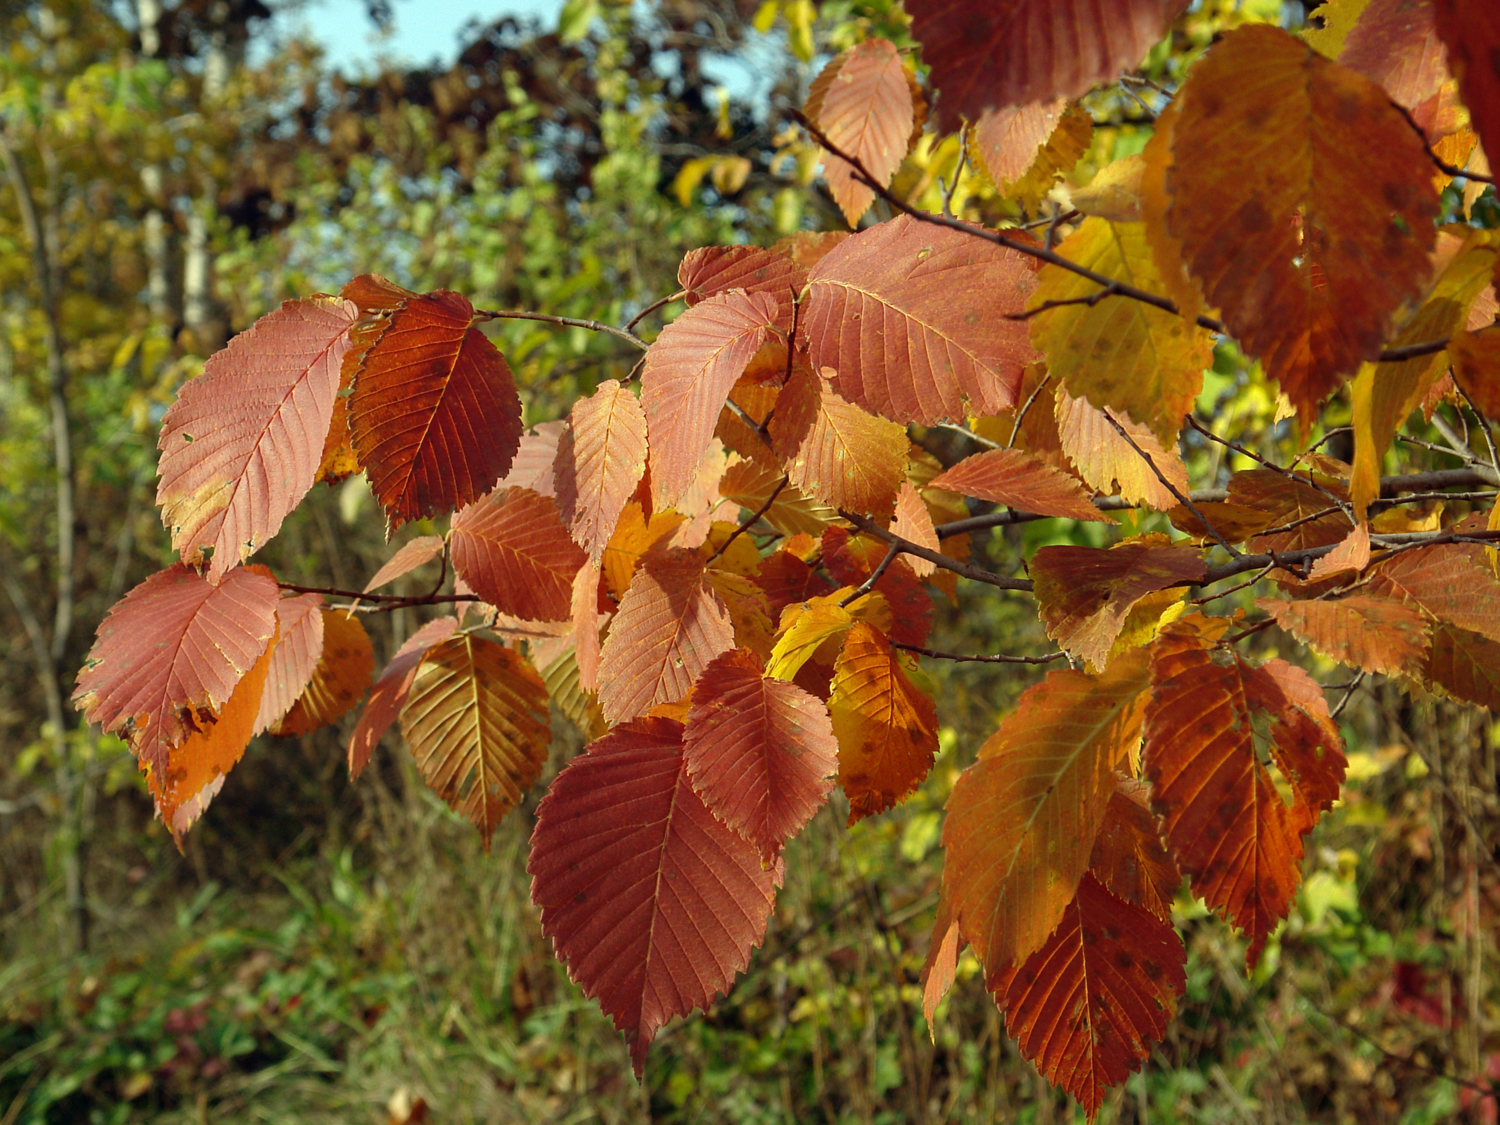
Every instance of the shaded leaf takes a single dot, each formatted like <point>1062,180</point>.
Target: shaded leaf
<point>338,682</point>
<point>513,550</point>
<point>1010,52</point>
<point>173,647</point>
<point>1470,29</point>
<point>835,451</point>
<point>912,317</point>
<point>1129,857</point>
<point>601,458</point>
<point>689,372</point>
<point>1022,820</point>
<point>1020,480</point>
<point>885,725</point>
<point>412,554</point>
<point>535,463</point>
<point>1085,594</point>
<point>1106,461</point>
<point>634,536</point>
<point>1395,43</point>
<point>941,966</point>
<point>1309,255</point>
<point>299,645</point>
<point>759,751</point>
<point>1465,665</point>
<point>434,411</point>
<point>792,512</point>
<point>1090,1004</point>
<point>1374,633</point>
<point>787,580</point>
<point>866,105</point>
<point>1065,146</point>
<point>669,628</point>
<point>388,696</point>
<point>566,691</point>
<point>652,903</point>
<point>1119,353</point>
<point>1156,202</point>
<point>244,441</point>
<point>1476,365</point>
<point>476,721</point>
<point>851,559</point>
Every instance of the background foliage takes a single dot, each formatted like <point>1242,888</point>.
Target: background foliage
<point>318,948</point>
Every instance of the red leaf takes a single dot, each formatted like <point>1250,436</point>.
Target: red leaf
<point>913,319</point>
<point>536,460</point>
<point>1129,857</point>
<point>1465,665</point>
<point>1470,29</point>
<point>1227,826</point>
<point>1395,43</point>
<point>1376,634</point>
<point>787,580</point>
<point>690,370</point>
<point>864,104</point>
<point>512,548</point>
<point>1022,480</point>
<point>242,444</point>
<point>1088,1006</point>
<point>652,903</point>
<point>434,411</point>
<point>669,628</point>
<point>601,457</point>
<point>1448,583</point>
<point>760,752</point>
<point>390,691</point>
<point>1010,52</point>
<point>712,270</point>
<point>851,559</point>
<point>1310,267</point>
<point>174,646</point>
<point>419,551</point>
<point>299,644</point>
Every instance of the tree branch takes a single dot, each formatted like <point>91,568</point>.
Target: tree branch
<point>998,658</point>
<point>563,321</point>
<point>907,547</point>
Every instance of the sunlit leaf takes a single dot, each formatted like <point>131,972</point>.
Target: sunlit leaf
<point>1021,480</point>
<point>601,457</point>
<point>1106,461</point>
<point>1377,634</point>
<point>512,548</point>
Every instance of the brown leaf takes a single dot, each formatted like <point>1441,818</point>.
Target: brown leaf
<point>1374,633</point>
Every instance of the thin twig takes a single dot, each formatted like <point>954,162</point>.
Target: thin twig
<point>562,321</point>
<point>386,602</point>
<point>659,303</point>
<point>868,584</point>
<point>1256,577</point>
<point>749,523</point>
<point>1110,290</point>
<point>1021,414</point>
<point>1182,498</point>
<point>962,569</point>
<point>998,658</point>
<point>1438,161</point>
<point>1353,686</point>
<point>958,172</point>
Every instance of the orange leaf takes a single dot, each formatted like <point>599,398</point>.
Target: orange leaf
<point>1351,556</point>
<point>759,751</point>
<point>512,548</point>
<point>1021,480</point>
<point>1104,459</point>
<point>669,628</point>
<point>1007,140</point>
<point>601,457</point>
<point>243,442</point>
<point>1395,43</point>
<point>434,411</point>
<point>689,372</point>
<point>1465,665</point>
<point>172,647</point>
<point>1225,822</point>
<point>1448,583</point>
<point>476,721</point>
<point>792,512</point>
<point>1470,29</point>
<point>418,552</point>
<point>913,523</point>
<point>865,104</point>
<point>536,460</point>
<point>1022,820</point>
<point>941,966</point>
<point>1376,634</point>
<point>886,726</point>
<point>835,451</point>
<point>338,682</point>
<point>1129,857</point>
<point>390,691</point>
<point>913,319</point>
<point>1166,248</point>
<point>1476,364</point>
<point>1088,1006</point>
<point>1010,52</point>
<point>1309,254</point>
<point>652,903</point>
<point>1085,593</point>
<point>584,609</point>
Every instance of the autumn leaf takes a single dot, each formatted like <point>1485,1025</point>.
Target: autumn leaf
<point>601,457</point>
<point>852,559</point>
<point>512,548</point>
<point>791,510</point>
<point>339,680</point>
<point>1155,204</point>
<point>1310,254</point>
<point>689,372</point>
<point>173,647</point>
<point>886,726</point>
<point>1008,140</point>
<point>912,317</point>
<point>1129,857</point>
<point>1068,143</point>
<point>1085,594</point>
<point>1106,461</point>
<point>475,719</point>
<point>1374,633</point>
<point>913,522</point>
<point>434,412</point>
<point>1119,353</point>
<point>1465,665</point>
<point>1227,825</point>
<point>1088,1006</point>
<point>835,451</point>
<point>389,694</point>
<point>670,626</point>
<point>651,902</point>
<point>1470,29</point>
<point>1476,365</point>
<point>866,104</point>
<point>759,751</point>
<point>1022,820</point>
<point>1448,583</point>
<point>712,270</point>
<point>1020,480</point>
<point>1010,52</point>
<point>244,441</point>
<point>1395,43</point>
<point>805,628</point>
<point>299,645</point>
<point>787,580</point>
<point>412,554</point>
<point>536,460</point>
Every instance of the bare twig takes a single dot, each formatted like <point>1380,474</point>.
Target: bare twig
<point>1438,161</point>
<point>1182,498</point>
<point>385,602</point>
<point>1021,414</point>
<point>875,575</point>
<point>659,303</point>
<point>962,569</point>
<point>1349,690</point>
<point>997,658</point>
<point>751,522</point>
<point>1110,290</point>
<point>564,322</point>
